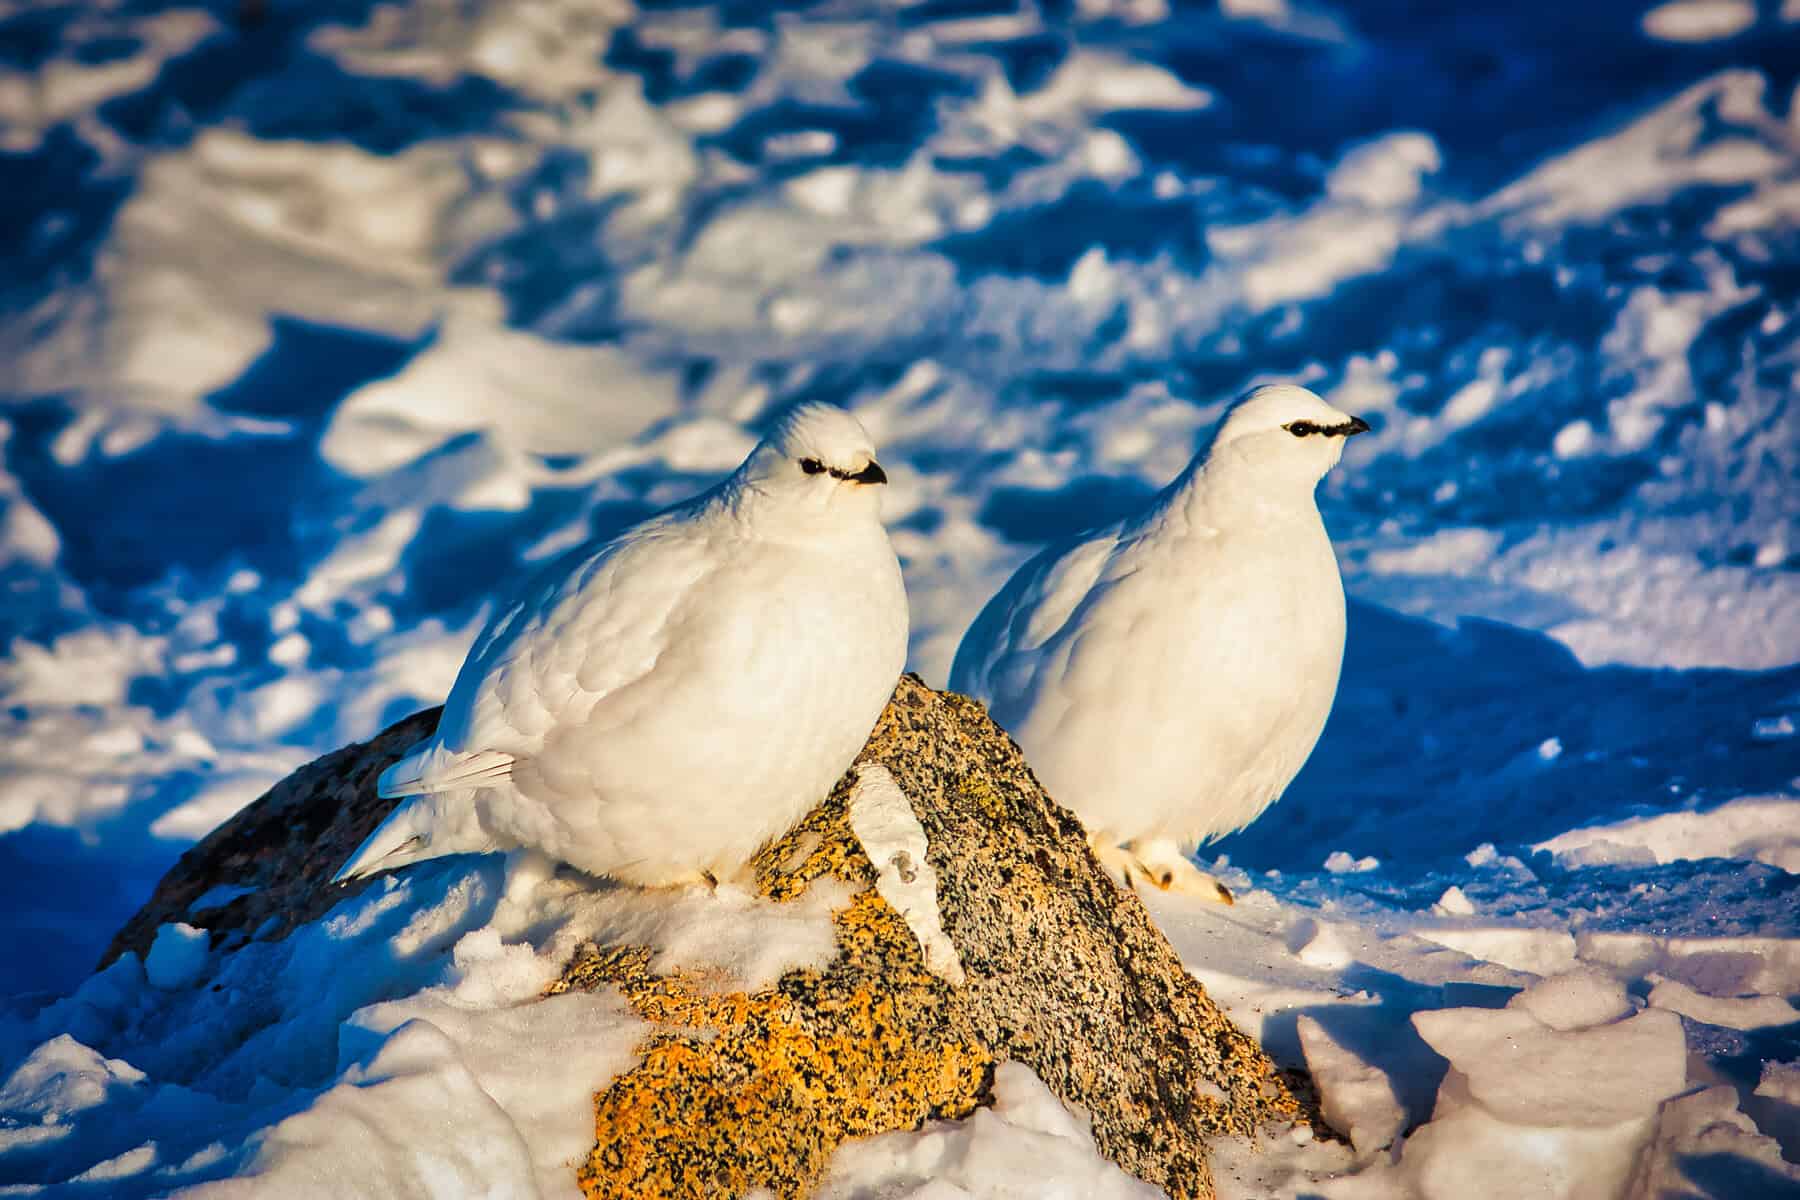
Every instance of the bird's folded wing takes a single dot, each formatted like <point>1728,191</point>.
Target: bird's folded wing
<point>585,630</point>
<point>1033,606</point>
<point>431,768</point>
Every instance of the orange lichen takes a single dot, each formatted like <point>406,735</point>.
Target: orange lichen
<point>1063,971</point>
<point>745,1090</point>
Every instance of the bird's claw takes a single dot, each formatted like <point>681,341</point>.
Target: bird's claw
<point>1162,865</point>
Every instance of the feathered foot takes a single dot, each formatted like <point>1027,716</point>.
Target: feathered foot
<point>1165,866</point>
<point>1159,863</point>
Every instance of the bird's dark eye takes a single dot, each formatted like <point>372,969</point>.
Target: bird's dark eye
<point>812,466</point>
<point>1301,428</point>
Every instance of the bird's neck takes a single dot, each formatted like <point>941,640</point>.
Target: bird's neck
<point>845,523</point>
<point>1229,494</point>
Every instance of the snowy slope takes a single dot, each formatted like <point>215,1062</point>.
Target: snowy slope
<point>319,322</point>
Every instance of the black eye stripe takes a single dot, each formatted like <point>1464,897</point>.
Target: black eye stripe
<point>872,473</point>
<point>1307,428</point>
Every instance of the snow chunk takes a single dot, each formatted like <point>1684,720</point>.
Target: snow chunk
<point>1092,81</point>
<point>1027,1144</point>
<point>1532,1111</point>
<point>525,393</point>
<point>1354,230</point>
<point>1699,20</point>
<point>1707,1127</point>
<point>57,1081</point>
<point>1577,999</point>
<point>542,1061</point>
<point>177,957</point>
<point>1357,1098</point>
<point>218,896</point>
<point>882,819</point>
<point>414,1114</point>
<point>727,936</point>
<point>1523,948</point>
<point>1763,828</point>
<point>1521,1071</point>
<point>132,1162</point>
<point>1453,903</point>
<point>1319,945</point>
<point>219,235</point>
<point>1672,147</point>
<point>1387,172</point>
<point>1446,552</point>
<point>1339,862</point>
<point>1716,965</point>
<point>1573,440</point>
<point>1731,1012</point>
<point>1780,1081</point>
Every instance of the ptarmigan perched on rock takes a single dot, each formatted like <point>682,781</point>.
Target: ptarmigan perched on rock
<point>1168,675</point>
<point>658,706</point>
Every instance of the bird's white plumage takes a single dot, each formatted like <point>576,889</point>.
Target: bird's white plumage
<point>659,705</point>
<point>1167,675</point>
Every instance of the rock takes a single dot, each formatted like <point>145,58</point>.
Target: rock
<point>978,929</point>
<point>279,852</point>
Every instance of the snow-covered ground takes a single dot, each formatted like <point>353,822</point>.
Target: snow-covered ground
<point>320,321</point>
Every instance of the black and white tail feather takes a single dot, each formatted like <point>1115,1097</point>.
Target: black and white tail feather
<point>430,769</point>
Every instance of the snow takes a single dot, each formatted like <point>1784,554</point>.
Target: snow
<point>1318,944</point>
<point>1575,1000</point>
<point>177,957</point>
<point>527,394</point>
<point>1027,1144</point>
<point>1761,828</point>
<point>1531,1108</point>
<point>1727,1012</point>
<point>1357,1098</point>
<point>317,328</point>
<point>882,819</point>
<point>1699,20</point>
<point>1454,903</point>
<point>420,1001</point>
<point>385,1129</point>
<point>1706,1127</point>
<point>1340,862</point>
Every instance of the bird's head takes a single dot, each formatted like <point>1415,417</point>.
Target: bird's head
<point>819,459</point>
<point>1283,431</point>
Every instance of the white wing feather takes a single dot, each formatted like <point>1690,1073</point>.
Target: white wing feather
<point>1035,605</point>
<point>572,640</point>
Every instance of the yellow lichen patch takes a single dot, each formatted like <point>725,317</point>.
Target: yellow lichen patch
<point>745,1090</point>
<point>976,789</point>
<point>820,845</point>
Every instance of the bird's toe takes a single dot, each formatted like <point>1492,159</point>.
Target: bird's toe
<point>1168,869</point>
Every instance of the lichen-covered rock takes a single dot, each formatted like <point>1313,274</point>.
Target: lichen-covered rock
<point>1057,968</point>
<point>278,854</point>
<point>978,928</point>
<point>757,1090</point>
<point>1065,972</point>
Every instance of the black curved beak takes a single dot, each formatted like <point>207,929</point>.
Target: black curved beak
<point>870,474</point>
<point>1355,426</point>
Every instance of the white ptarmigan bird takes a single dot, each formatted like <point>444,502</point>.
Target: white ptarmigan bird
<point>660,705</point>
<point>1167,675</point>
